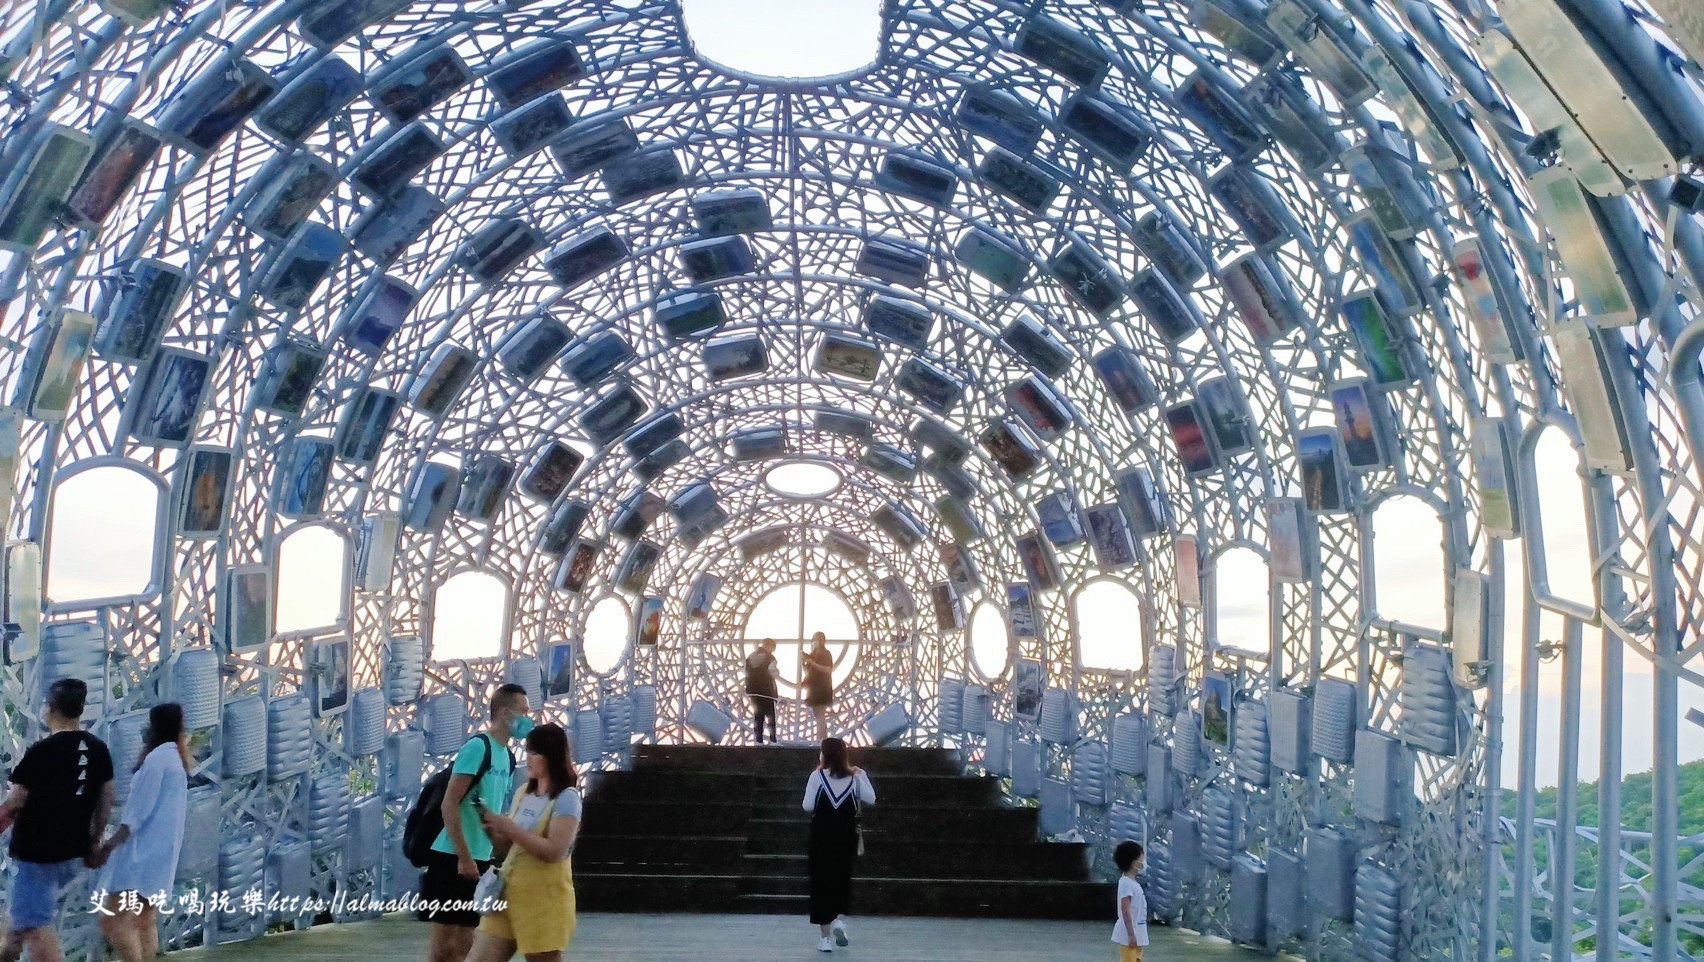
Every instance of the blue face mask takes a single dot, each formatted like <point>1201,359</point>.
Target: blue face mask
<point>520,727</point>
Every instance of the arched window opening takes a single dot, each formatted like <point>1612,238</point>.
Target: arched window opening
<point>470,617</point>
<point>1409,564</point>
<point>1242,601</point>
<point>786,39</point>
<point>1110,627</point>
<point>791,614</point>
<point>990,641</point>
<point>1563,523</point>
<point>608,628</point>
<point>103,537</point>
<point>313,580</point>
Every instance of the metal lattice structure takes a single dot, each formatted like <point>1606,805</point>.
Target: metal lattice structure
<point>461,282</point>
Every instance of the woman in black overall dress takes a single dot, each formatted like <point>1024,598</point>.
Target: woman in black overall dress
<point>833,795</point>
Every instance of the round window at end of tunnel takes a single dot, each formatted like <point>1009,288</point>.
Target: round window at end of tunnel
<point>791,615</point>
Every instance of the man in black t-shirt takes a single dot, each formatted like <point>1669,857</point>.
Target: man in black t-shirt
<point>60,801</point>
<point>761,671</point>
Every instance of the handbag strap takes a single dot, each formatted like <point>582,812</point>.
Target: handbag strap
<point>514,810</point>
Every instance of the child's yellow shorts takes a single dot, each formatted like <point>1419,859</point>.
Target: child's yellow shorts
<point>1130,953</point>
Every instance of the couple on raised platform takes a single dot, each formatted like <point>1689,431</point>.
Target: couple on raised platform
<point>763,673</point>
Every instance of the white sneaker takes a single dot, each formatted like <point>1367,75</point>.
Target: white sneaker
<point>839,930</point>
<point>825,945</point>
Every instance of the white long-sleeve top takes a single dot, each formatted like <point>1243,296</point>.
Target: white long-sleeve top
<point>839,789</point>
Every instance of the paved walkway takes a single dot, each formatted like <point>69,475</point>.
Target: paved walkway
<point>748,938</point>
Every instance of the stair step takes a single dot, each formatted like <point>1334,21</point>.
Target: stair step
<point>902,789</point>
<point>781,759</point>
<point>713,829</point>
<point>983,898</point>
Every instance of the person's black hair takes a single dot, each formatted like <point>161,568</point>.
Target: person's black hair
<point>1126,854</point>
<point>505,694</point>
<point>67,696</point>
<point>551,741</point>
<point>165,727</point>
<point>834,758</point>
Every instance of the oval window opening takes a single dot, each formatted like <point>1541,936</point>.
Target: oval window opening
<point>313,587</point>
<point>990,641</point>
<point>470,614</point>
<point>786,39</point>
<point>1109,627</point>
<point>1408,562</point>
<point>802,479</point>
<point>103,536</point>
<point>1242,601</point>
<point>607,630</point>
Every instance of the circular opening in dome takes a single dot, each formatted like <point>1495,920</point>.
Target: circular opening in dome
<point>990,641</point>
<point>802,479</point>
<point>791,614</point>
<point>607,629</point>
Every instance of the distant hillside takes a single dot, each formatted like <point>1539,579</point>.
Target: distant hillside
<point>1635,801</point>
<point>1635,816</point>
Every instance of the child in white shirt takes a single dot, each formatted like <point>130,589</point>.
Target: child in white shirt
<point>1130,932</point>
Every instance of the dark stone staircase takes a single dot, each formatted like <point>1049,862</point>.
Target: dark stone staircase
<point>694,828</point>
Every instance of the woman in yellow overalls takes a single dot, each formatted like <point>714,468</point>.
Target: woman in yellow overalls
<point>539,831</point>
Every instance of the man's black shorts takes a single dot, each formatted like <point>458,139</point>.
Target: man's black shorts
<point>441,883</point>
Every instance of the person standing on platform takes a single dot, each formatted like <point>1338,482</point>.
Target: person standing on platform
<point>538,833</point>
<point>60,802</point>
<point>834,795</point>
<point>762,670</point>
<point>481,776</point>
<point>1130,932</point>
<point>141,856</point>
<point>819,682</point>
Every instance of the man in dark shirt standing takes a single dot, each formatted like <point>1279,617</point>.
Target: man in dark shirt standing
<point>761,671</point>
<point>59,805</point>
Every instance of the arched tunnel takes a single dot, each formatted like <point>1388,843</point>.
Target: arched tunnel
<point>1055,362</point>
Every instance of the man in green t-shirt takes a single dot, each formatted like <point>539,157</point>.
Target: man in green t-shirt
<point>463,849</point>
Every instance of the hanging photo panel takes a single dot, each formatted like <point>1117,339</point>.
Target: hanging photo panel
<point>53,369</point>
<point>1291,542</point>
<point>287,378</point>
<point>304,472</point>
<point>164,404</point>
<point>1109,535</point>
<point>436,387</point>
<point>1187,557</point>
<point>1365,424</point>
<point>648,626</point>
<point>702,596</point>
<point>36,191</point>
<point>1491,450</point>
<point>1040,566</point>
<point>204,483</point>
<point>949,611</point>
<point>147,298</point>
<point>1021,616</point>
<point>375,550</point>
<point>561,526</point>
<point>1190,436</point>
<point>245,608</point>
<point>1325,481</point>
<point>575,570</point>
<point>1060,521</point>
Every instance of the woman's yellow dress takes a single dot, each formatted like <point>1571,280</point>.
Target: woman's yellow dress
<point>540,914</point>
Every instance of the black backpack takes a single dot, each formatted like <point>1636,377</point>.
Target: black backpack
<point>426,818</point>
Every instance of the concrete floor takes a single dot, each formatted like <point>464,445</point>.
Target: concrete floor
<point>748,938</point>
